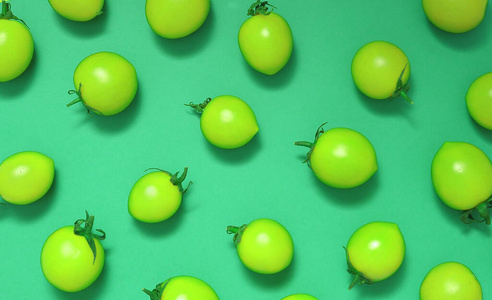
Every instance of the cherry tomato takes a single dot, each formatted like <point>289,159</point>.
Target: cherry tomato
<point>380,70</point>
<point>264,246</point>
<point>450,281</point>
<point>226,122</point>
<point>462,178</point>
<point>105,82</point>
<point>341,157</point>
<point>455,16</point>
<point>265,39</point>
<point>73,257</point>
<point>16,45</point>
<point>156,196</point>
<point>182,288</point>
<point>479,100</point>
<point>78,10</point>
<point>300,297</point>
<point>175,19</point>
<point>375,251</point>
<point>26,177</point>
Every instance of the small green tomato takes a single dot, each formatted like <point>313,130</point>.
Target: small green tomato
<point>479,100</point>
<point>300,297</point>
<point>182,288</point>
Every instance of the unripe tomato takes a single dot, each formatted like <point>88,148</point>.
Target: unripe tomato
<point>456,16</point>
<point>182,288</point>
<point>78,10</point>
<point>300,297</point>
<point>479,100</point>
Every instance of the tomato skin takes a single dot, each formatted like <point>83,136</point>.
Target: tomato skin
<point>343,158</point>
<point>16,49</point>
<point>376,250</point>
<point>479,100</point>
<point>67,260</point>
<point>174,19</point>
<point>455,16</point>
<point>461,175</point>
<point>106,81</point>
<point>266,42</point>
<point>26,177</point>
<point>183,288</point>
<point>300,297</point>
<point>77,10</point>
<point>376,67</point>
<point>450,281</point>
<point>265,247</point>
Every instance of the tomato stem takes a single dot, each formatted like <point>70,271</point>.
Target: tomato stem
<point>86,231</point>
<point>319,132</point>
<point>260,7</point>
<point>482,209</point>
<point>199,107</point>
<point>401,88</point>
<point>79,99</point>
<point>359,278</point>
<point>156,293</point>
<point>237,231</point>
<point>7,13</point>
<point>175,180</point>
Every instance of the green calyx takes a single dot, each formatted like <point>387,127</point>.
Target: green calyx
<point>176,179</point>
<point>359,277</point>
<point>199,107</point>
<point>79,99</point>
<point>260,7</point>
<point>482,210</point>
<point>237,231</point>
<point>401,89</point>
<point>156,293</point>
<point>310,145</point>
<point>7,14</point>
<point>86,231</point>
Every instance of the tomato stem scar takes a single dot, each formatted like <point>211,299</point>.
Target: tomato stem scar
<point>175,180</point>
<point>86,231</point>
<point>199,107</point>
<point>237,231</point>
<point>260,7</point>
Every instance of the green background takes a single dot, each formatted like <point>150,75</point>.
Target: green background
<point>98,159</point>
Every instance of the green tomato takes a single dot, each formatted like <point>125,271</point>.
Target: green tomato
<point>375,251</point>
<point>265,40</point>
<point>455,16</point>
<point>175,19</point>
<point>26,177</point>
<point>78,10</point>
<point>226,122</point>
<point>479,100</point>
<point>16,45</point>
<point>450,281</point>
<point>264,246</point>
<point>341,157</point>
<point>73,257</point>
<point>380,70</point>
<point>156,196</point>
<point>300,297</point>
<point>105,82</point>
<point>182,288</point>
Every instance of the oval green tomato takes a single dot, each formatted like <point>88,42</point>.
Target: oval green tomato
<point>266,42</point>
<point>450,281</point>
<point>26,177</point>
<point>156,196</point>
<point>462,175</point>
<point>455,16</point>
<point>264,246</point>
<point>16,48</point>
<point>175,19</point>
<point>375,251</point>
<point>300,297</point>
<point>182,288</point>
<point>106,83</point>
<point>78,10</point>
<point>377,70</point>
<point>479,100</point>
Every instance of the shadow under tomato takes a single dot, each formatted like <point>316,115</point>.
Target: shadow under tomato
<point>86,29</point>
<point>385,107</point>
<point>188,45</point>
<point>272,281</point>
<point>281,79</point>
<point>485,133</point>
<point>238,155</point>
<point>17,86</point>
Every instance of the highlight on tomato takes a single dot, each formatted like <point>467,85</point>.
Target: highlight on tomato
<point>157,195</point>
<point>457,16</point>
<point>182,287</point>
<point>341,157</point>
<point>26,177</point>
<point>374,252</point>
<point>479,100</point>
<point>72,257</point>
<point>381,70</point>
<point>300,297</point>
<point>450,281</point>
<point>174,19</point>
<point>462,178</point>
<point>78,10</point>
<point>16,44</point>
<point>226,121</point>
<point>105,83</point>
<point>264,246</point>
<point>265,39</point>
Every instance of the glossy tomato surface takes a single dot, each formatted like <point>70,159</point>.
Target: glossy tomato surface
<point>78,10</point>
<point>479,100</point>
<point>455,16</point>
<point>16,49</point>
<point>185,288</point>
<point>300,297</point>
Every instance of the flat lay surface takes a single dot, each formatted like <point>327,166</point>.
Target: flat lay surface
<point>98,159</point>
